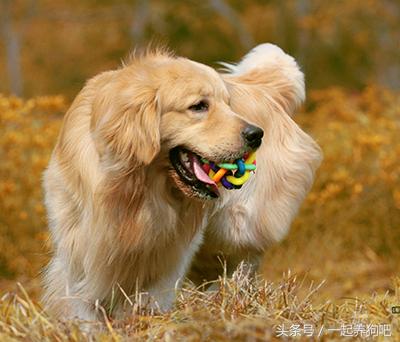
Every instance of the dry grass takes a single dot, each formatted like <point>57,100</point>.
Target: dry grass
<point>241,308</point>
<point>346,235</point>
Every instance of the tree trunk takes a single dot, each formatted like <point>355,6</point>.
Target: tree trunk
<point>12,47</point>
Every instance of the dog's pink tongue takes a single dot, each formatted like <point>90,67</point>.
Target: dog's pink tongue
<point>199,172</point>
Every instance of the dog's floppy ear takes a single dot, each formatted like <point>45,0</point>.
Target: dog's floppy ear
<point>125,120</point>
<point>270,67</point>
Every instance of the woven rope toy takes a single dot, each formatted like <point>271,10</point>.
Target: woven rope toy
<point>231,175</point>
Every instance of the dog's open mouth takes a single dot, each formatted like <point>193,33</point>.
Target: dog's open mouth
<point>188,166</point>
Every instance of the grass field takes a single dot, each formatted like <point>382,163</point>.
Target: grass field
<point>339,264</point>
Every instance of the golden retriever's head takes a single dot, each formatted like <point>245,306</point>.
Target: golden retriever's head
<point>175,109</point>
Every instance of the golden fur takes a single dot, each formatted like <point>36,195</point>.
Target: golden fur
<point>121,221</point>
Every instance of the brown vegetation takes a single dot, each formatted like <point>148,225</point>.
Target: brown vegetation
<point>346,233</point>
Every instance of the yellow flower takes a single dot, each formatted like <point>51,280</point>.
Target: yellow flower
<point>357,188</point>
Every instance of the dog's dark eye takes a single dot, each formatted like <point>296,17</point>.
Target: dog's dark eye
<point>201,106</point>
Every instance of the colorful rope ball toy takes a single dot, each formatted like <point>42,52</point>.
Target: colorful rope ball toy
<point>231,175</point>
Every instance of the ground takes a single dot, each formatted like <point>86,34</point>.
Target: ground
<point>337,268</point>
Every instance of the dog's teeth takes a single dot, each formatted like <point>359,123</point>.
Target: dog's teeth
<point>185,157</point>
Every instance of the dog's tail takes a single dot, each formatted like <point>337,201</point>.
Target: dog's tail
<point>269,65</point>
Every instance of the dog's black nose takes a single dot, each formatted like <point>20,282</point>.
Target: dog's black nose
<point>253,136</point>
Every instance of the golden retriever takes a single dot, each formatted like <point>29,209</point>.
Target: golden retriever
<point>127,205</point>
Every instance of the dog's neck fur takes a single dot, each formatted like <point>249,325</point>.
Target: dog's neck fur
<point>153,226</point>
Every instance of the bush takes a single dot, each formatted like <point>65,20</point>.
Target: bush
<point>28,130</point>
<point>347,232</point>
<point>351,214</point>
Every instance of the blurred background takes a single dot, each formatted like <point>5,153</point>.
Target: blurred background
<point>52,47</point>
<point>348,230</point>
